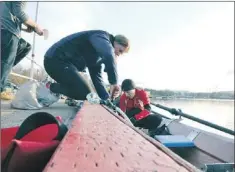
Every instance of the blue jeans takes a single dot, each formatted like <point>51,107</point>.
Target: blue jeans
<point>13,50</point>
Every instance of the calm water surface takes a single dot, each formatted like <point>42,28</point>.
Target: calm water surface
<point>220,112</point>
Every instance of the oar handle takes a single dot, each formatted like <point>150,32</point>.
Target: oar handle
<point>201,121</point>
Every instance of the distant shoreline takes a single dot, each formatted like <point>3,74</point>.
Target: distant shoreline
<point>171,94</point>
<point>208,99</point>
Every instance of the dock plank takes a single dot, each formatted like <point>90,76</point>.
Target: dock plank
<point>13,117</point>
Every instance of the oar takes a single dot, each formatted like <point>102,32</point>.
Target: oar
<point>201,121</point>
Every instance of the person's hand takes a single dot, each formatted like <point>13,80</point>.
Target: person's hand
<point>38,30</point>
<point>141,103</point>
<point>115,91</point>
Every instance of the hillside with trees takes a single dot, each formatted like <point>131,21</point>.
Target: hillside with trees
<point>39,74</point>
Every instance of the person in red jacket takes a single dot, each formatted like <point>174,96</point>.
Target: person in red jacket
<point>136,104</point>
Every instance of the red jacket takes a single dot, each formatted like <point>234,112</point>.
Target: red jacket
<point>139,101</point>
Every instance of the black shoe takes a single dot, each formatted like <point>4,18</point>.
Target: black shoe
<point>71,102</point>
<point>157,131</point>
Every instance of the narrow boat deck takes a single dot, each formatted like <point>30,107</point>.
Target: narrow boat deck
<point>98,141</point>
<point>13,117</point>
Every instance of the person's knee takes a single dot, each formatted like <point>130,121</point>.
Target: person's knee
<point>28,47</point>
<point>77,96</point>
<point>157,119</point>
<point>153,121</point>
<point>81,95</point>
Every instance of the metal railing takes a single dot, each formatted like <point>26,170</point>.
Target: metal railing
<point>31,76</point>
<point>22,76</point>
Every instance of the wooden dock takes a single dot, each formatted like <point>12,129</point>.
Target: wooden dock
<point>14,117</point>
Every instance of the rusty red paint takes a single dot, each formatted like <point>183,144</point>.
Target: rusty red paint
<point>98,142</point>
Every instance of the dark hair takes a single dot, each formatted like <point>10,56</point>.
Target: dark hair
<point>122,40</point>
<point>128,85</point>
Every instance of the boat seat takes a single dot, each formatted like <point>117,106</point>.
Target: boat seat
<point>175,140</point>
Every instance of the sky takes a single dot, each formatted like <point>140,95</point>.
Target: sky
<point>174,45</point>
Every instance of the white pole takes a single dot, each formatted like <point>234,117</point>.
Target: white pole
<point>33,47</point>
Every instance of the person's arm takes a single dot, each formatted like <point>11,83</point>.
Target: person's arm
<point>147,107</point>
<point>146,100</point>
<point>104,48</point>
<point>116,101</point>
<point>122,103</point>
<point>133,111</point>
<point>18,11</point>
<point>97,80</point>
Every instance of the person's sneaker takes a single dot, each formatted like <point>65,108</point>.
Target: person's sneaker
<point>7,95</point>
<point>71,102</point>
<point>158,131</point>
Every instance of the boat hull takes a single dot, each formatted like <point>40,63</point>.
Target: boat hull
<point>209,148</point>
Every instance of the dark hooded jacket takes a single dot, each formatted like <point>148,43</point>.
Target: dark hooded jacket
<point>89,49</point>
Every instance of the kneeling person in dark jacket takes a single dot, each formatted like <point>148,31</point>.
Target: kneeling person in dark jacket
<point>70,56</point>
<point>136,104</point>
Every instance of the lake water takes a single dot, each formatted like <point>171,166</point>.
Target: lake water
<point>220,112</point>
